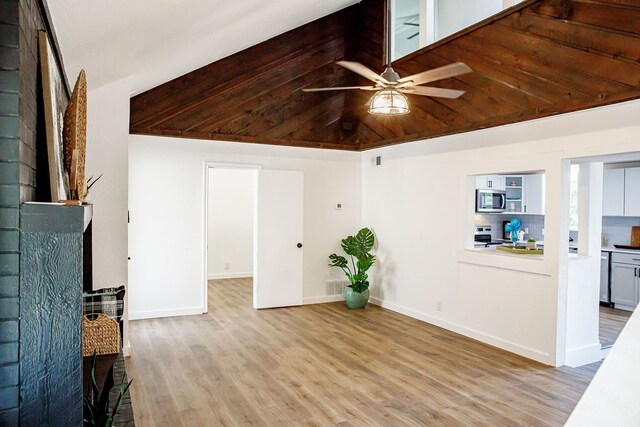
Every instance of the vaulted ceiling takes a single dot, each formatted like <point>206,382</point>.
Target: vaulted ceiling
<point>540,58</point>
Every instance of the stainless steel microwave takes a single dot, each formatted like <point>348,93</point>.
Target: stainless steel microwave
<point>491,200</point>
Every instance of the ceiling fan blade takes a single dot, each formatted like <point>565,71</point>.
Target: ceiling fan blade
<point>433,91</point>
<point>413,24</point>
<point>413,36</point>
<point>451,70</point>
<point>323,89</point>
<point>358,68</point>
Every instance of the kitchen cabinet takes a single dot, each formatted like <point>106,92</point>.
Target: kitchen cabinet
<point>632,191</point>
<point>514,189</point>
<point>533,194</point>
<point>613,192</point>
<point>525,194</point>
<point>494,182</point>
<point>625,280</point>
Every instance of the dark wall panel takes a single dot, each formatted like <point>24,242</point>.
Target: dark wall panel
<point>9,211</point>
<point>23,174</point>
<point>51,341</point>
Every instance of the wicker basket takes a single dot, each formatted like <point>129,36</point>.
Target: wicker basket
<point>101,335</point>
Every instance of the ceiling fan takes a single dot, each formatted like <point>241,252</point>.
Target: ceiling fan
<point>389,98</point>
<point>414,35</point>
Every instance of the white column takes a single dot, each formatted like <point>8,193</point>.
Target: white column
<point>108,154</point>
<point>590,208</point>
<point>427,22</point>
<point>583,279</point>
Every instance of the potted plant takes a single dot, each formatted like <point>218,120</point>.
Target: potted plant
<point>531,243</point>
<point>358,247</point>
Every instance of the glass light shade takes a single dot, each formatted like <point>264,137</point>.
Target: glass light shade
<point>389,102</point>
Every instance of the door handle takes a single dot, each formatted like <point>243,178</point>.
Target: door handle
<point>299,245</point>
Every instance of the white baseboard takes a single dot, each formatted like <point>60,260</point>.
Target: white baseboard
<point>321,300</point>
<point>229,275</point>
<point>468,332</point>
<point>581,356</point>
<point>152,314</point>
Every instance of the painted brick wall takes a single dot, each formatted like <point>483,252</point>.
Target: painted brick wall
<point>9,202</point>
<point>21,138</point>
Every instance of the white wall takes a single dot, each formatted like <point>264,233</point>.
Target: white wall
<point>107,154</point>
<point>230,223</point>
<point>166,234</point>
<point>417,204</point>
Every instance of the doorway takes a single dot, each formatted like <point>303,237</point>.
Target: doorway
<point>602,286</point>
<point>253,227</point>
<point>230,236</point>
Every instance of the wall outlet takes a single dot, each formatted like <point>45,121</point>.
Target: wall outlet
<point>338,206</point>
<point>227,266</point>
<point>439,305</point>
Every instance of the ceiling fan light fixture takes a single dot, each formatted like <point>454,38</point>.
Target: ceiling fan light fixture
<point>389,102</point>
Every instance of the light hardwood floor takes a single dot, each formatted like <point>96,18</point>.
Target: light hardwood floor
<point>611,323</point>
<point>325,365</point>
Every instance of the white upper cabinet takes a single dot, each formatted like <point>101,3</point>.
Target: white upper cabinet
<point>533,195</point>
<point>632,191</point>
<point>613,190</point>
<point>493,182</point>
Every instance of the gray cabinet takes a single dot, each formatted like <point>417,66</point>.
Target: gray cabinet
<point>625,280</point>
<point>604,277</point>
<point>632,192</point>
<point>613,192</point>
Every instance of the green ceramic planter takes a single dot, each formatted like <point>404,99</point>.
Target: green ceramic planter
<point>355,299</point>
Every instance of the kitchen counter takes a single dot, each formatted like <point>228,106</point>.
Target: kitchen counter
<point>492,250</point>
<point>622,251</point>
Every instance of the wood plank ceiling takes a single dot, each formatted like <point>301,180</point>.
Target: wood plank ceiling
<point>537,59</point>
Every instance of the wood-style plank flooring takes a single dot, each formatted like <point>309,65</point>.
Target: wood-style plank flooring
<point>322,365</point>
<point>611,323</point>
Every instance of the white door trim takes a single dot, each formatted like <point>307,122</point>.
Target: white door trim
<point>208,165</point>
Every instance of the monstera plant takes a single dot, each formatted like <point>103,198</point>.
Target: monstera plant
<point>358,248</point>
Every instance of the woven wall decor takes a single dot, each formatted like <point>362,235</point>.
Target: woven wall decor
<point>75,138</point>
<point>101,335</point>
